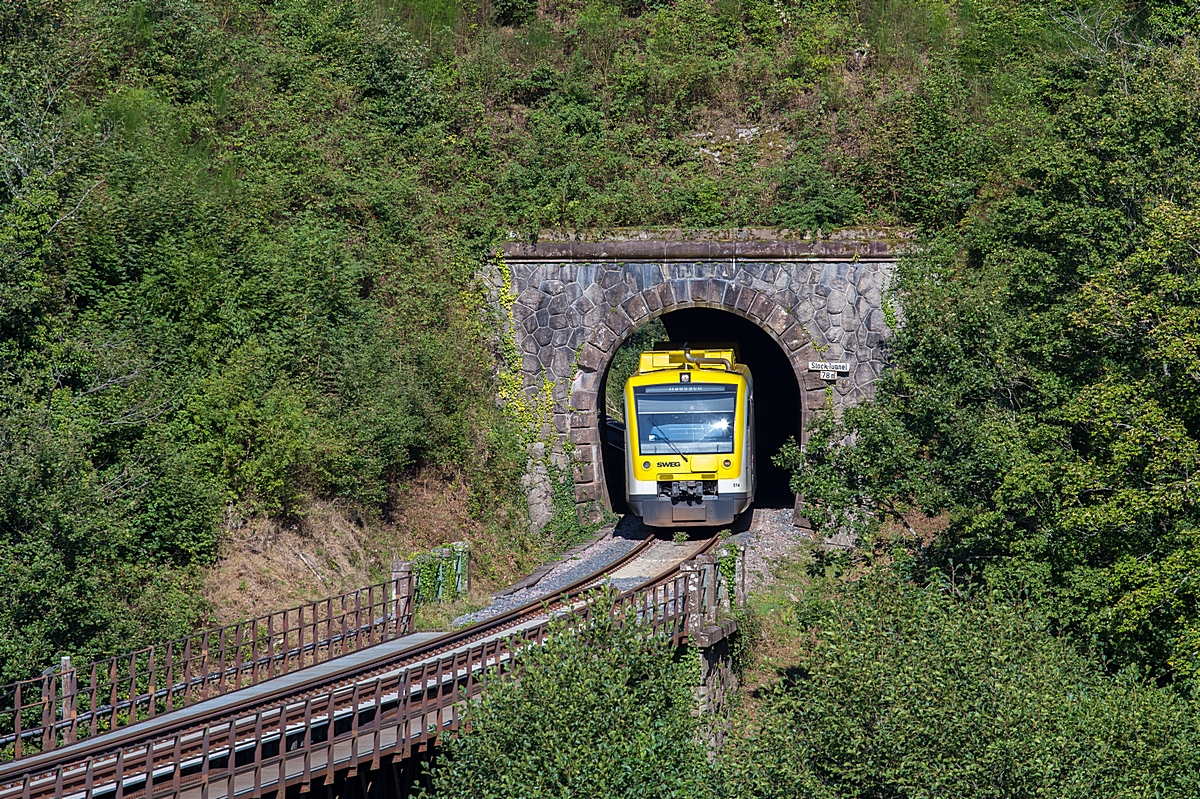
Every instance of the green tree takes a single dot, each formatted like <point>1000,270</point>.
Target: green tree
<point>910,691</point>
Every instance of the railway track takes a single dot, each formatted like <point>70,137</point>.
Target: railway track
<point>389,699</point>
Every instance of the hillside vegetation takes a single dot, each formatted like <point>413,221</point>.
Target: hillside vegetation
<point>239,275</point>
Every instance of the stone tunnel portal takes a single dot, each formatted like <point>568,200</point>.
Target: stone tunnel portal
<point>573,303</point>
<point>777,404</point>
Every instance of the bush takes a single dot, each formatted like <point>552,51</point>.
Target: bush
<point>602,709</point>
<point>918,692</point>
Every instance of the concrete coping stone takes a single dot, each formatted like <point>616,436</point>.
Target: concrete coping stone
<point>789,250</point>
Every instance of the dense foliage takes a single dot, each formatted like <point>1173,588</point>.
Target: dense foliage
<point>240,243</point>
<point>1043,393</point>
<point>222,293</point>
<point>916,692</point>
<point>602,709</point>
<point>239,252</point>
<point>899,691</point>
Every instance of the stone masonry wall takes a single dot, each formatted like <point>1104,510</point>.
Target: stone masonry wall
<point>576,302</point>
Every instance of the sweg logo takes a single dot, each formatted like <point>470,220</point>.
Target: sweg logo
<point>661,464</point>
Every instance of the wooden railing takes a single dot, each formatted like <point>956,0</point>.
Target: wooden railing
<point>69,703</point>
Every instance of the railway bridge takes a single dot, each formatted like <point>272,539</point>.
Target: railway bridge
<point>337,697</point>
<point>788,302</point>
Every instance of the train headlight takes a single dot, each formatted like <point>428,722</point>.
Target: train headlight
<point>646,464</point>
<point>727,464</point>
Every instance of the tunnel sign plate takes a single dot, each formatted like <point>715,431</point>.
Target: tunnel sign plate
<point>828,366</point>
<point>828,375</point>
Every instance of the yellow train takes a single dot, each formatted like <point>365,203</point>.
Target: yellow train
<point>689,438</point>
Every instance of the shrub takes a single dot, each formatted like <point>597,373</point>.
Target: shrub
<point>916,692</point>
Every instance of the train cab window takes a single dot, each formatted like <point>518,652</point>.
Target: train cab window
<point>685,418</point>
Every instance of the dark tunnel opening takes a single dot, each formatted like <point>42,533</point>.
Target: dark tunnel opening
<point>776,397</point>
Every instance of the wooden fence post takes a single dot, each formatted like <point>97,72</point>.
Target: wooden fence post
<point>68,698</point>
<point>708,565</point>
<point>695,618</point>
<point>403,590</point>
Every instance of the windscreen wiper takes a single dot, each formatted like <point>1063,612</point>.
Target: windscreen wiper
<point>670,443</point>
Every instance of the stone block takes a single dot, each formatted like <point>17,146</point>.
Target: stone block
<point>563,362</point>
<point>530,364</point>
<point>530,324</point>
<point>561,422</point>
<point>864,374</point>
<point>761,308</point>
<point>651,299</point>
<point>592,358</point>
<point>616,295</point>
<point>561,338</point>
<point>812,400</point>
<point>595,316</point>
<point>545,356</point>
<point>697,291</point>
<point>580,418</point>
<point>745,299</point>
<point>619,323</point>
<point>732,291</point>
<point>610,277</point>
<point>778,320</point>
<point>583,400</point>
<point>559,303</point>
<point>583,435</point>
<point>604,338</point>
<point>531,298</point>
<point>714,290</point>
<point>794,336</point>
<point>635,308</point>
<point>680,287</point>
<point>585,473</point>
<point>821,317</point>
<point>586,380</point>
<point>542,336</point>
<point>543,318</point>
<point>586,492</point>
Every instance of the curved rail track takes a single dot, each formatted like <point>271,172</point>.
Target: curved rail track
<point>386,700</point>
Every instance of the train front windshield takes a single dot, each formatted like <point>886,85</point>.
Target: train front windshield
<point>685,418</point>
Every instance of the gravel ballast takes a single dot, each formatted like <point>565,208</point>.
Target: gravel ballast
<point>769,538</point>
<point>629,532</point>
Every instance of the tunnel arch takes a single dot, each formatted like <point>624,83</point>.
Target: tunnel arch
<point>664,300</point>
